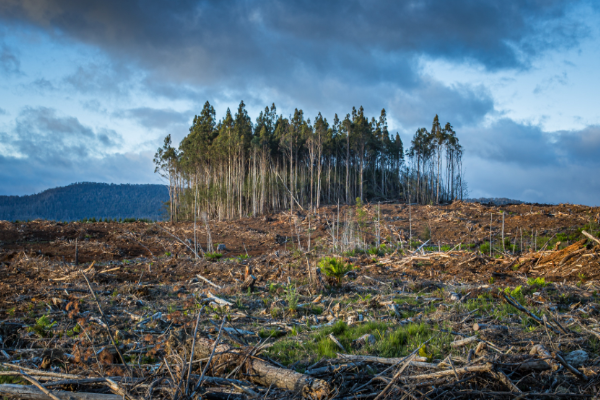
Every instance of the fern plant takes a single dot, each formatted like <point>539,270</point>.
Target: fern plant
<point>335,268</point>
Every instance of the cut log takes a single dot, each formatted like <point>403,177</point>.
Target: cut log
<point>261,372</point>
<point>219,300</point>
<point>480,327</point>
<point>556,255</point>
<point>584,233</point>
<point>33,393</point>
<point>464,342</point>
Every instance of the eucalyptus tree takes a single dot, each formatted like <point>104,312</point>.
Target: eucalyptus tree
<point>233,168</point>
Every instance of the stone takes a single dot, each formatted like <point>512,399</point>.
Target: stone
<point>577,358</point>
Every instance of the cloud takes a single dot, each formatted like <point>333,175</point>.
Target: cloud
<point>100,78</point>
<point>520,161</point>
<point>42,135</point>
<point>43,85</point>
<point>549,184</point>
<point>551,82</point>
<point>206,41</point>
<point>461,104</point>
<point>22,176</point>
<point>153,118</point>
<point>9,63</point>
<point>46,149</point>
<point>525,145</point>
<point>3,111</point>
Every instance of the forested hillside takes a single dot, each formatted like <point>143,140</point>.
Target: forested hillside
<point>232,167</point>
<point>88,200</point>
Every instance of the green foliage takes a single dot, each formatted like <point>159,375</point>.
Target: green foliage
<point>375,251</point>
<point>74,332</point>
<point>42,326</point>
<point>391,341</point>
<point>485,248</point>
<point>82,202</point>
<point>517,293</point>
<point>291,297</point>
<point>243,257</point>
<point>335,268</point>
<point>213,256</point>
<point>537,282</point>
<point>353,253</point>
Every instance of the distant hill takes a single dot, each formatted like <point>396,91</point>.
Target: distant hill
<point>88,200</point>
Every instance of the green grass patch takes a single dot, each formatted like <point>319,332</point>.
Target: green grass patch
<point>392,340</point>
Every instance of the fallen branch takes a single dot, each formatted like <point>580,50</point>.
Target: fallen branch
<point>33,393</point>
<point>261,372</point>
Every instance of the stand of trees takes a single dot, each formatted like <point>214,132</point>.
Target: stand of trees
<point>233,168</point>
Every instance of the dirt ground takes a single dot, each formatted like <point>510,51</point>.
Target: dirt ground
<point>431,278</point>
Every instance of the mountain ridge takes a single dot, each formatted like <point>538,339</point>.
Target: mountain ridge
<point>88,200</point>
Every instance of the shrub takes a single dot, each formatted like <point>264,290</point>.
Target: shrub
<point>213,256</point>
<point>485,248</point>
<point>538,282</point>
<point>292,297</point>
<point>335,268</point>
<point>42,326</point>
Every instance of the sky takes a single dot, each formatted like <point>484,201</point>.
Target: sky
<point>89,90</point>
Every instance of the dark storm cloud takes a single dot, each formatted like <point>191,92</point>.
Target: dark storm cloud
<point>206,42</point>
<point>153,118</point>
<point>42,135</point>
<point>520,161</point>
<point>507,141</point>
